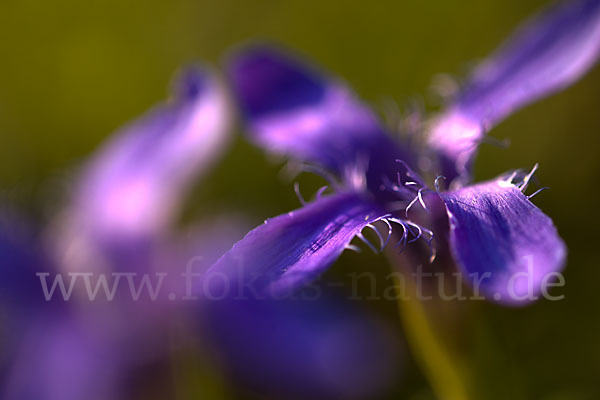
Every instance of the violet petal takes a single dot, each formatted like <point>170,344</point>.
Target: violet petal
<point>292,249</point>
<point>293,109</point>
<point>135,183</point>
<point>547,54</point>
<point>496,230</point>
<point>313,346</point>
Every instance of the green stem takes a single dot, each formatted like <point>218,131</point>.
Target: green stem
<point>443,367</point>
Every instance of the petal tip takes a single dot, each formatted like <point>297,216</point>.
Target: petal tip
<point>268,79</point>
<point>190,82</point>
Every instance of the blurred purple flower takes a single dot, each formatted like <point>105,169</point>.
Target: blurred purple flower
<point>494,228</point>
<point>130,191</point>
<point>308,347</point>
<point>118,221</point>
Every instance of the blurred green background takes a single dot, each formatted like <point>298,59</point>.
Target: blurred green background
<point>72,72</point>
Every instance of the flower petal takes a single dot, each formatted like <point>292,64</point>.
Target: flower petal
<point>294,110</point>
<point>65,359</point>
<point>292,249</point>
<point>134,184</point>
<point>21,256</point>
<point>496,230</point>
<point>314,345</point>
<point>545,55</point>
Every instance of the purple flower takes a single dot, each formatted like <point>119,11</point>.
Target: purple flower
<point>117,221</point>
<point>131,189</point>
<point>494,230</point>
<point>307,347</point>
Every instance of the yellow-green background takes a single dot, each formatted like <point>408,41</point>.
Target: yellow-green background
<point>71,72</point>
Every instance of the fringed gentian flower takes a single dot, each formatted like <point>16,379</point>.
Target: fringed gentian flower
<point>494,228</point>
